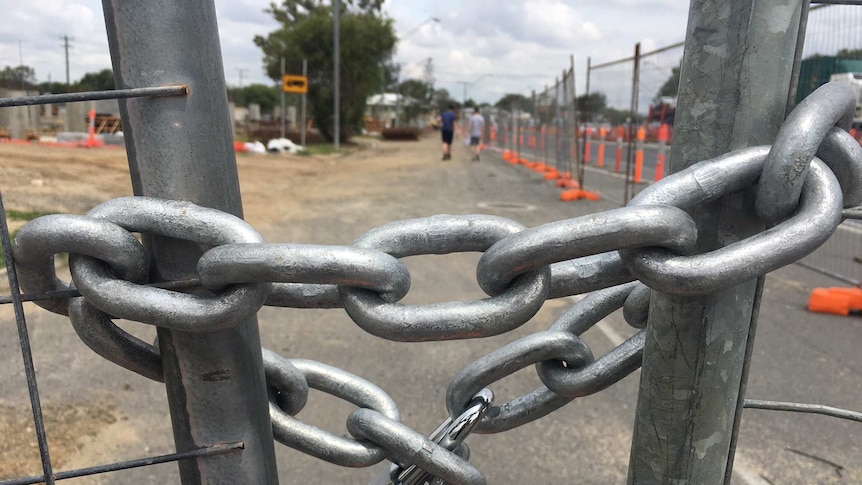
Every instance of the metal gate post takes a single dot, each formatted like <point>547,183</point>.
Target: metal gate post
<point>182,148</point>
<point>735,79</point>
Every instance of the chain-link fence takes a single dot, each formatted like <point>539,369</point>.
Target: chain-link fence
<point>202,273</point>
<point>627,111</point>
<point>833,51</point>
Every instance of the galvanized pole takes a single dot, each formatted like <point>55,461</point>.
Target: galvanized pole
<point>632,126</point>
<point>304,98</point>
<point>337,74</point>
<point>283,117</point>
<point>732,94</point>
<point>586,105</point>
<point>579,165</point>
<point>181,148</point>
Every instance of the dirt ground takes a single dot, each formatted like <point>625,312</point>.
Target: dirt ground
<point>99,413</point>
<point>274,188</point>
<point>36,178</point>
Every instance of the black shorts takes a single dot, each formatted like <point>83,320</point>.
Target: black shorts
<point>447,136</point>
<point>474,141</point>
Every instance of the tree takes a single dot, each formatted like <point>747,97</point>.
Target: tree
<point>671,86</point>
<point>95,81</point>
<point>850,54</point>
<point>516,101</point>
<point>443,100</point>
<point>418,97</point>
<point>591,105</point>
<point>21,77</point>
<point>53,88</point>
<point>367,42</point>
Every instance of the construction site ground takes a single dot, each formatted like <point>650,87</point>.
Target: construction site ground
<point>97,412</point>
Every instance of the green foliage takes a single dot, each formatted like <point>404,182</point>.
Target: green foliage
<point>671,86</point>
<point>616,116</point>
<point>95,81</point>
<point>53,88</point>
<point>267,97</point>
<point>418,98</point>
<point>14,215</point>
<point>591,105</point>
<point>21,77</point>
<point>516,101</point>
<point>367,42</point>
<point>443,100</point>
<point>850,54</point>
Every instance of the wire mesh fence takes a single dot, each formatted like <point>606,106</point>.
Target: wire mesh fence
<point>833,51</point>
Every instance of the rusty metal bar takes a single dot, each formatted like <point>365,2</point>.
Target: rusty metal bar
<point>176,90</point>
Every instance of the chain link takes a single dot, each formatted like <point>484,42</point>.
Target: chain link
<point>654,240</point>
<point>501,313</point>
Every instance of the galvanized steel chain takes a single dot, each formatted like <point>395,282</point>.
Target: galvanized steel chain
<point>802,182</point>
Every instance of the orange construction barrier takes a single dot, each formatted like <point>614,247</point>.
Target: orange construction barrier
<point>639,156</point>
<point>602,133</point>
<point>837,301</point>
<point>619,162</point>
<point>92,142</point>
<point>578,194</point>
<point>567,182</point>
<point>587,148</point>
<point>662,146</point>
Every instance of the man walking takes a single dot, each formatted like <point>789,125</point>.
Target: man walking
<point>447,129</point>
<point>477,133</point>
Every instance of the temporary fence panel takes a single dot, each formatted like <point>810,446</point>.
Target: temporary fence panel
<point>833,47</point>
<point>608,106</point>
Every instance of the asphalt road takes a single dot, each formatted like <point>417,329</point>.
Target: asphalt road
<point>798,357</point>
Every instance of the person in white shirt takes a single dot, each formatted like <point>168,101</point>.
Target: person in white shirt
<point>477,133</point>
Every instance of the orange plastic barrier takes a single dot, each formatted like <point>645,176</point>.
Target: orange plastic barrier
<point>578,194</point>
<point>639,156</point>
<point>662,146</point>
<point>836,301</point>
<point>602,134</point>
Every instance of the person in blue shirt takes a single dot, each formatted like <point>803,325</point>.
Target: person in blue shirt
<point>447,129</point>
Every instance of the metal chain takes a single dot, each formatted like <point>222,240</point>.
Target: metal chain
<point>805,183</point>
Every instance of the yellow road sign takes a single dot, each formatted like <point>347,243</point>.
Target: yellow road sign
<point>295,84</point>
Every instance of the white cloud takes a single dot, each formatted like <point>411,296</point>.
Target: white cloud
<point>511,46</point>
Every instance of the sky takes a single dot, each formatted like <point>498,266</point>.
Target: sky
<point>481,49</point>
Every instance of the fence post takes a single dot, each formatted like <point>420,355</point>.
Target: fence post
<point>636,77</point>
<point>182,148</point>
<point>579,168</point>
<point>732,94</point>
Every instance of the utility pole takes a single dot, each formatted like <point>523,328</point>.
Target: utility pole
<point>283,114</point>
<point>66,46</point>
<point>241,71</point>
<point>463,92</point>
<point>21,63</point>
<point>429,72</point>
<point>337,74</point>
